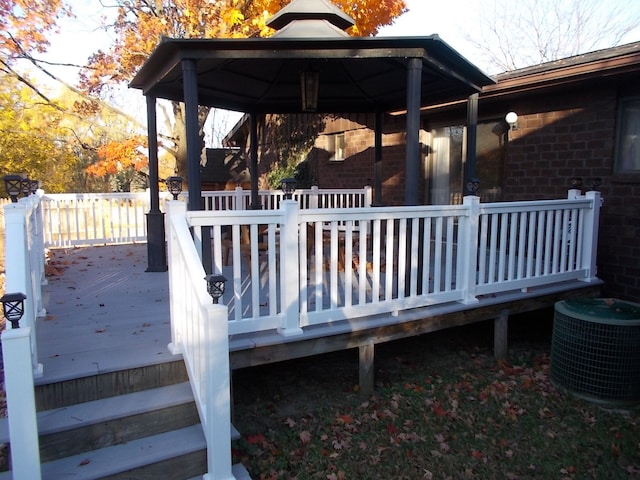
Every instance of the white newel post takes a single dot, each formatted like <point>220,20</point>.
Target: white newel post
<point>175,210</point>
<point>368,196</point>
<point>238,199</point>
<point>290,269</point>
<point>468,248</point>
<point>18,271</point>
<point>21,405</point>
<point>218,423</point>
<point>590,242</point>
<point>313,197</point>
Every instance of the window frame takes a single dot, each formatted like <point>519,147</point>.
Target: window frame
<point>618,169</point>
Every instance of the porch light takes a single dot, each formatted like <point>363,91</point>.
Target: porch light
<point>34,185</point>
<point>174,185</point>
<point>25,187</point>
<point>309,85</point>
<point>12,184</point>
<point>472,186</point>
<point>512,119</point>
<point>13,307</point>
<point>595,183</point>
<point>288,185</point>
<point>215,286</point>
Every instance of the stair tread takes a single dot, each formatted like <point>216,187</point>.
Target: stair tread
<point>87,413</point>
<point>120,458</point>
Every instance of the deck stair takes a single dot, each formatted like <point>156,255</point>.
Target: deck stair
<point>131,424</point>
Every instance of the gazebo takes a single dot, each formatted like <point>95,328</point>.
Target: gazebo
<point>309,64</point>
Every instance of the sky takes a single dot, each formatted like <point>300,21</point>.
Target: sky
<point>453,21</point>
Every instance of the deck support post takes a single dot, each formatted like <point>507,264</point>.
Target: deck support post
<point>366,372</point>
<point>500,340</point>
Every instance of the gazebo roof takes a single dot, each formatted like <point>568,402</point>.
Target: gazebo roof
<point>356,74</point>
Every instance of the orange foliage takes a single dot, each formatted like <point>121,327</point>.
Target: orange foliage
<point>141,24</point>
<point>117,156</point>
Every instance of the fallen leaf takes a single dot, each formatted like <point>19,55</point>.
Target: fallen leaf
<point>84,462</point>
<point>305,436</point>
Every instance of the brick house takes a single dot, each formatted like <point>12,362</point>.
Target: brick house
<point>578,117</point>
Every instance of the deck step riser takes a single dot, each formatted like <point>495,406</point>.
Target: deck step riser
<point>179,468</point>
<point>105,385</point>
<point>116,431</point>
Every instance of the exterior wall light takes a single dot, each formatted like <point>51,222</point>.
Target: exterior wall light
<point>288,185</point>
<point>512,119</point>
<point>174,185</point>
<point>309,86</point>
<point>215,286</point>
<point>13,307</point>
<point>13,184</point>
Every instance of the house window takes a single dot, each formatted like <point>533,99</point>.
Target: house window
<point>628,142</point>
<point>337,145</point>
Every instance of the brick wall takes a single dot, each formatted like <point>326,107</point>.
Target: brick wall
<point>572,134</point>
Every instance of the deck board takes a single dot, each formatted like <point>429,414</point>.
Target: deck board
<point>106,313</point>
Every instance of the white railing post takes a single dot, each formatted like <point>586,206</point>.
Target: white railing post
<point>238,199</point>
<point>368,196</point>
<point>218,408</point>
<point>175,208</point>
<point>468,249</point>
<point>290,269</point>
<point>18,269</point>
<point>590,232</point>
<point>313,197</point>
<point>21,406</point>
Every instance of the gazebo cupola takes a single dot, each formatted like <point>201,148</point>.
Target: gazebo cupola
<point>310,19</point>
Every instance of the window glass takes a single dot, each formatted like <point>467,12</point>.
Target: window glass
<point>628,145</point>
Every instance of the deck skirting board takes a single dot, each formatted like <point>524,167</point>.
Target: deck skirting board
<point>248,351</point>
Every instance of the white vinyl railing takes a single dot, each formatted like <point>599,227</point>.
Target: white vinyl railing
<point>292,268</point>
<point>86,219</point>
<point>24,265</point>
<point>199,332</point>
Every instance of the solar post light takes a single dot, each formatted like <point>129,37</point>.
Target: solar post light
<point>13,307</point>
<point>215,286</point>
<point>13,186</point>
<point>288,185</point>
<point>174,185</point>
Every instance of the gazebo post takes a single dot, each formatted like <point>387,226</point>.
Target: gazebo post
<point>377,165</point>
<point>472,130</point>
<point>156,250</point>
<point>412,159</point>
<point>253,160</point>
<point>192,128</point>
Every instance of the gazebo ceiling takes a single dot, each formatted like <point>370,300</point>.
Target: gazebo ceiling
<point>262,75</point>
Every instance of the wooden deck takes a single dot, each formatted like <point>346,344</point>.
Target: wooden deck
<point>106,313</point>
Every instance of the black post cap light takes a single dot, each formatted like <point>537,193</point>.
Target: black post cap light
<point>13,307</point>
<point>215,286</point>
<point>473,185</point>
<point>288,185</point>
<point>174,185</point>
<point>34,185</point>
<point>25,187</point>
<point>595,183</point>
<point>576,183</point>
<point>13,186</point>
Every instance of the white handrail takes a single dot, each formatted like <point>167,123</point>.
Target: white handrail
<point>200,333</point>
<point>356,262</point>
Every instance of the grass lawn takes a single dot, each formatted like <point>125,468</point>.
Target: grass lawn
<point>443,409</point>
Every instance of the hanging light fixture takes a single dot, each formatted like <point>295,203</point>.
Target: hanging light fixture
<point>309,85</point>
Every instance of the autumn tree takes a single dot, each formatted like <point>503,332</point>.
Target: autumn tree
<point>518,34</point>
<point>139,25</point>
